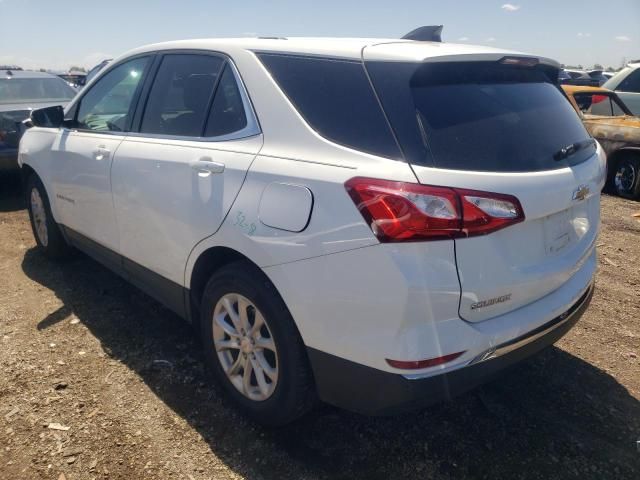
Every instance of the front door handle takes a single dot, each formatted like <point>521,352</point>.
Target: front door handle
<point>101,153</point>
<point>205,166</point>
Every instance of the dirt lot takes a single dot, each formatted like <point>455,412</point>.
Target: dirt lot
<point>99,381</point>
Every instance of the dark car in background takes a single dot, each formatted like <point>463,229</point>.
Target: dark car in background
<point>591,78</point>
<point>20,93</point>
<point>94,71</point>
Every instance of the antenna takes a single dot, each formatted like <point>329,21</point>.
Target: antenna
<point>428,33</point>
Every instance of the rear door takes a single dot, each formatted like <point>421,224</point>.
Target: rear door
<point>501,126</point>
<point>176,178</point>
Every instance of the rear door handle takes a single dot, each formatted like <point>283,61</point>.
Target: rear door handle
<point>205,166</point>
<point>101,153</point>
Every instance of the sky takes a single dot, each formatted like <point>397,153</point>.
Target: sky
<point>56,34</point>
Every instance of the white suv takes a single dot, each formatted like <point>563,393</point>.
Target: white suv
<point>379,224</point>
<point>626,84</point>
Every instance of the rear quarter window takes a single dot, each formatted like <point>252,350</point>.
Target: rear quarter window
<point>335,98</point>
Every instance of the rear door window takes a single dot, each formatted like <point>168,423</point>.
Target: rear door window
<point>481,116</point>
<point>178,103</point>
<point>227,112</point>
<point>335,98</point>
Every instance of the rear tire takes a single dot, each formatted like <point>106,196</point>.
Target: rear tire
<point>253,347</point>
<point>626,177</point>
<point>46,231</point>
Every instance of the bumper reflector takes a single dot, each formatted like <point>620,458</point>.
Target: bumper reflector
<point>418,364</point>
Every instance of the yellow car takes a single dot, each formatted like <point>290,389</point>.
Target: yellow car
<point>610,122</point>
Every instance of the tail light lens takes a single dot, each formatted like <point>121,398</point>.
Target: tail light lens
<point>418,364</point>
<point>399,211</point>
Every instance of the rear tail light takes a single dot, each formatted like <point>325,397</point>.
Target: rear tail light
<point>399,211</point>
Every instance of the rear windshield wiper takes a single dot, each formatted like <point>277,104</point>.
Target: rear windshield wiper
<point>566,152</point>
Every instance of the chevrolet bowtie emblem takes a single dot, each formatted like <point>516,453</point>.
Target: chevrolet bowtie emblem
<point>581,193</point>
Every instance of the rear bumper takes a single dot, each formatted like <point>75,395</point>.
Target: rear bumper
<point>370,391</point>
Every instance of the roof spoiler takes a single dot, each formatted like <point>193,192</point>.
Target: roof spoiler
<point>428,33</point>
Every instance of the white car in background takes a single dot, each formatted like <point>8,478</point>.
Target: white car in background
<point>626,83</point>
<point>377,223</point>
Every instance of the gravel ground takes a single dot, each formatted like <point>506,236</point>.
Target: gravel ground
<point>99,381</point>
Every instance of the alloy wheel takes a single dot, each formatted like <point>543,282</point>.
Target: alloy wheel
<point>245,347</point>
<point>625,177</point>
<point>39,216</point>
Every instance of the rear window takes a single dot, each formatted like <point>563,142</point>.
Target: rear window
<point>26,90</point>
<point>335,98</point>
<point>480,116</point>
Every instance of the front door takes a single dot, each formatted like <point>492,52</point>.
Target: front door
<point>83,154</point>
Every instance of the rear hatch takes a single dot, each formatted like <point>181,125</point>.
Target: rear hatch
<point>497,122</point>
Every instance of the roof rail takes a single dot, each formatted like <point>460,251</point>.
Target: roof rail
<point>428,33</point>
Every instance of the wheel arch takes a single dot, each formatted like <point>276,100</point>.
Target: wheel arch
<point>615,157</point>
<point>26,171</point>
<point>623,152</point>
<point>208,262</point>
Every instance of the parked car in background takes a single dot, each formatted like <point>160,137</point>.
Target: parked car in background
<point>380,223</point>
<point>76,79</point>
<point>593,78</point>
<point>94,71</point>
<point>20,93</point>
<point>615,127</point>
<point>626,83</point>
<point>563,76</point>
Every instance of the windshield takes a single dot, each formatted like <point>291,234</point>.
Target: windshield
<point>481,116</point>
<point>27,90</point>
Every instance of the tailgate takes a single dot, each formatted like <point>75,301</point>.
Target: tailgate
<point>522,263</point>
<point>498,124</point>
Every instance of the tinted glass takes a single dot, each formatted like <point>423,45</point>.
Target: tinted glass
<point>108,105</point>
<point>336,99</point>
<point>597,104</point>
<point>29,90</point>
<point>181,94</point>
<point>631,83</point>
<point>478,116</point>
<point>227,113</point>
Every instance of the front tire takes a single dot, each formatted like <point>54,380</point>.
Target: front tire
<point>626,177</point>
<point>45,230</point>
<point>253,347</point>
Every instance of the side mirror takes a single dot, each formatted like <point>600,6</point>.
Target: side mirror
<point>49,117</point>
